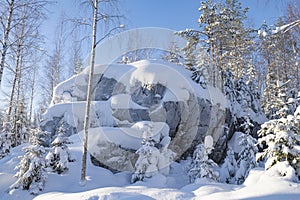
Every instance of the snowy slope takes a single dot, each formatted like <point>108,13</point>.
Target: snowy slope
<point>103,184</point>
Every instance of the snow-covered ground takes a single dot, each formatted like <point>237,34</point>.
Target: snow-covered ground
<point>103,184</point>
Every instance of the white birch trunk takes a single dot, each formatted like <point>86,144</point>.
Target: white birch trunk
<point>89,94</point>
<point>5,38</point>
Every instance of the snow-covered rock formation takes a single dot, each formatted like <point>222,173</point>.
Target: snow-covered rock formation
<point>142,91</point>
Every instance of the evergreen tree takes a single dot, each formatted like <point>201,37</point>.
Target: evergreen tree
<point>246,126</point>
<point>5,140</point>
<point>172,55</point>
<point>202,166</point>
<point>246,157</point>
<point>20,125</point>
<point>279,58</point>
<point>236,40</point>
<point>147,164</point>
<point>229,86</point>
<point>224,37</point>
<point>255,96</point>
<point>228,168</point>
<point>189,51</point>
<point>32,174</point>
<point>59,157</point>
<point>202,69</point>
<point>280,139</point>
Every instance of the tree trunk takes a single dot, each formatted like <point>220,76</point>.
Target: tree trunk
<point>16,113</point>
<point>5,38</point>
<point>89,93</point>
<point>58,56</point>
<point>32,94</point>
<point>18,57</point>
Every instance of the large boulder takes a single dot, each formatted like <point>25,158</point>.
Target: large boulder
<point>142,91</point>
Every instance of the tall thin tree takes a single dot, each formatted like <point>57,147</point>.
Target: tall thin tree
<point>4,41</point>
<point>89,92</point>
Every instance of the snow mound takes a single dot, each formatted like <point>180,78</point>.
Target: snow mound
<point>283,169</point>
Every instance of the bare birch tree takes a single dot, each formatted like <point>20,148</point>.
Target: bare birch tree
<point>106,18</point>
<point>27,37</point>
<point>4,41</point>
<point>89,92</point>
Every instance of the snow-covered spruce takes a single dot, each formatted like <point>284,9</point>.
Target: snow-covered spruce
<point>280,139</point>
<point>59,157</point>
<point>5,140</point>
<point>228,168</point>
<point>147,164</point>
<point>242,94</point>
<point>154,155</point>
<point>202,166</point>
<point>32,174</point>
<point>246,157</point>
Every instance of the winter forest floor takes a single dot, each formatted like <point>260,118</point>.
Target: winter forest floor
<point>103,184</point>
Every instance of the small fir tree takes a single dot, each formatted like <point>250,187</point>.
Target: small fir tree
<point>147,164</point>
<point>228,168</point>
<point>280,140</point>
<point>202,166</point>
<point>172,54</point>
<point>59,157</point>
<point>246,157</point>
<point>32,174</point>
<point>5,140</point>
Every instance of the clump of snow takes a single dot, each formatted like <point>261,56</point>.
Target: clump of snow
<point>234,142</point>
<point>283,169</point>
<point>165,75</point>
<point>158,129</point>
<point>73,113</point>
<point>123,101</point>
<point>125,137</point>
<point>297,112</point>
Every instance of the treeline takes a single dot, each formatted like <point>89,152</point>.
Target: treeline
<point>267,57</point>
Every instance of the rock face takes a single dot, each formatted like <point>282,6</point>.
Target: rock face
<point>143,91</point>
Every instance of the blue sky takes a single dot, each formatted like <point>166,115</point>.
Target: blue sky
<point>173,14</point>
<point>181,14</point>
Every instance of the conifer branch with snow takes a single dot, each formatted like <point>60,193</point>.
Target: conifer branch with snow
<point>32,173</point>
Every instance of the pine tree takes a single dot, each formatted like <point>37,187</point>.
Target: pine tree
<point>279,58</point>
<point>189,51</point>
<point>147,164</point>
<point>172,55</point>
<point>6,137</point>
<point>280,139</point>
<point>224,37</point>
<point>228,168</point>
<point>59,157</point>
<point>211,29</point>
<point>201,72</point>
<point>202,166</point>
<point>246,157</point>
<point>237,41</point>
<point>32,174</point>
<point>229,86</point>
<point>255,96</point>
